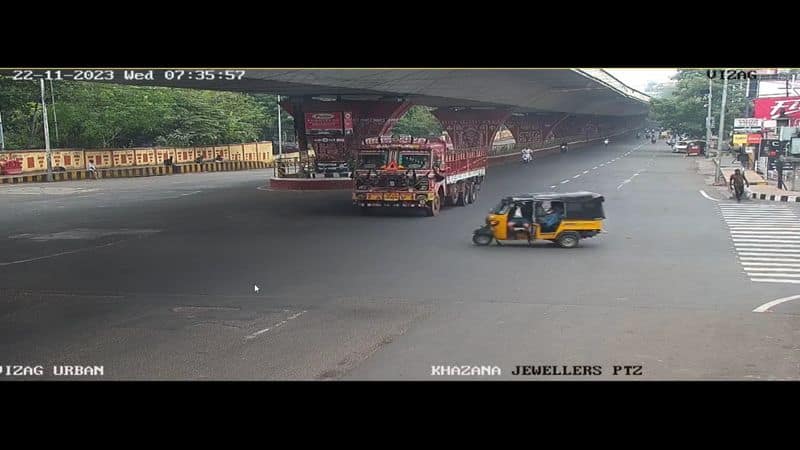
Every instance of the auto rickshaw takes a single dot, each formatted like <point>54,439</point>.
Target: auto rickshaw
<point>561,218</point>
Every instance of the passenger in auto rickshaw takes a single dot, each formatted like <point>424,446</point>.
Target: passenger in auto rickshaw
<point>518,221</point>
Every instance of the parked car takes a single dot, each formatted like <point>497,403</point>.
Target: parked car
<point>680,147</point>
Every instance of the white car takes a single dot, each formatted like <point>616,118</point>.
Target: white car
<point>680,147</point>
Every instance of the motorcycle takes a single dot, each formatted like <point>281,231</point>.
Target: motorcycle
<point>526,158</point>
<point>563,148</point>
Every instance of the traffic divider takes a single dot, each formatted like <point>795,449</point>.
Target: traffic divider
<point>133,172</point>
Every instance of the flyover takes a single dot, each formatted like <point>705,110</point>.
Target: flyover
<point>538,106</point>
<point>574,91</point>
<point>341,107</point>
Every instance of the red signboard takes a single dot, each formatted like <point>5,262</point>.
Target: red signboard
<point>324,122</point>
<point>348,122</point>
<point>753,138</point>
<point>772,107</point>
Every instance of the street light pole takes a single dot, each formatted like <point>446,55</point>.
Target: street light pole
<point>708,118</point>
<point>721,126</point>
<point>280,136</point>
<point>2,138</point>
<point>46,135</point>
<point>55,117</point>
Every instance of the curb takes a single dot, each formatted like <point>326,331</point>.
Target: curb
<point>135,172</point>
<point>775,198</point>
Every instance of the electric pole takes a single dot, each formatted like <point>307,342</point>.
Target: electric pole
<point>721,126</point>
<point>46,135</point>
<point>708,119</point>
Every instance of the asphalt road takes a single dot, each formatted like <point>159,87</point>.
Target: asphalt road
<point>154,278</point>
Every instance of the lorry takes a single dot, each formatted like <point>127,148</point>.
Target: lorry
<point>422,173</point>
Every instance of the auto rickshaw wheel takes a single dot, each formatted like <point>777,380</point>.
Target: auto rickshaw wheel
<point>482,239</point>
<point>568,239</point>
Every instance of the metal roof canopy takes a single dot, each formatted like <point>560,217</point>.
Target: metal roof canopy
<point>574,91</point>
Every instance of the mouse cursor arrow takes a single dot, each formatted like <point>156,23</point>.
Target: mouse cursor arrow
<point>255,288</point>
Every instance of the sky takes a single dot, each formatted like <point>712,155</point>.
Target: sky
<point>638,78</point>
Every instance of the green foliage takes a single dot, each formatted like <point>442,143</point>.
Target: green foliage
<point>418,122</point>
<point>100,115</point>
<point>685,110</point>
<point>96,115</point>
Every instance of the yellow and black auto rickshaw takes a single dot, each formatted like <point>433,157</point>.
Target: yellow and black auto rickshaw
<point>561,218</point>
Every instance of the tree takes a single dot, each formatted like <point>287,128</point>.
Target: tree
<point>685,109</point>
<point>419,122</point>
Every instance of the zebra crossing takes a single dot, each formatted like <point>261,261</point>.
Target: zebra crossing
<point>767,240</point>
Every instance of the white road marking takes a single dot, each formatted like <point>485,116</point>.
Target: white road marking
<point>748,259</point>
<point>745,228</point>
<point>190,193</point>
<point>601,165</point>
<point>706,196</point>
<point>766,241</point>
<point>779,275</point>
<point>752,252</point>
<point>565,181</point>
<point>762,245</point>
<point>766,306</point>
<point>773,280</point>
<point>576,176</point>
<point>553,186</point>
<point>282,322</point>
<point>595,167</point>
<point>84,249</point>
<point>772,264</point>
<point>585,172</point>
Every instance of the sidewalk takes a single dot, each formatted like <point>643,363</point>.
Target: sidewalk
<point>760,188</point>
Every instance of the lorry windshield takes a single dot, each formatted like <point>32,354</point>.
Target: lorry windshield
<point>414,161</point>
<point>372,160</point>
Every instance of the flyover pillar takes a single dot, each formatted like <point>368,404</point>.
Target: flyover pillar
<point>333,129</point>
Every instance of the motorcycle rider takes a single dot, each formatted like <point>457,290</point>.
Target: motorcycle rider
<point>605,142</point>
<point>527,155</point>
<point>563,147</point>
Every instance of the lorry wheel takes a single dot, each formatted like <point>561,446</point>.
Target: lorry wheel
<point>568,239</point>
<point>482,239</point>
<point>434,207</point>
<point>462,197</point>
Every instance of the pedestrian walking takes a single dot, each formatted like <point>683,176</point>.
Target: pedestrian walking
<point>737,183</point>
<point>779,169</point>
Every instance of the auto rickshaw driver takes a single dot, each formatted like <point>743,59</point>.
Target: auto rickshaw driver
<point>552,217</point>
